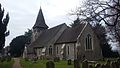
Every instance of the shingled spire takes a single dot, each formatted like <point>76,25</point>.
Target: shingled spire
<point>40,22</point>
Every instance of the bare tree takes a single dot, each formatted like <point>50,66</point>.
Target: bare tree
<point>106,12</point>
<point>100,11</point>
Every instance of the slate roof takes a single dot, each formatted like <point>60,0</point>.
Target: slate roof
<point>70,34</point>
<point>48,36</point>
<point>40,22</point>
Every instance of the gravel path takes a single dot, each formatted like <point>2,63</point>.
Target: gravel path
<point>16,63</point>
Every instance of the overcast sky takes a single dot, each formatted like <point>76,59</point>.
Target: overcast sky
<point>23,14</point>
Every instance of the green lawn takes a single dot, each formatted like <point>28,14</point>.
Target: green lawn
<point>60,64</point>
<point>42,64</point>
<point>63,64</point>
<point>6,64</point>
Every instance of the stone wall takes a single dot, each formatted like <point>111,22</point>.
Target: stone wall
<point>67,55</point>
<point>96,52</point>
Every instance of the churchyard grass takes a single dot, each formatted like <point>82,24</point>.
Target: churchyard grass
<point>42,64</point>
<point>31,64</point>
<point>61,64</point>
<point>6,64</point>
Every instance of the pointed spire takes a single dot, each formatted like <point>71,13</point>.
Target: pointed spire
<point>40,22</point>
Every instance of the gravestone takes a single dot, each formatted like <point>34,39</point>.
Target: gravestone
<point>50,64</point>
<point>85,64</point>
<point>103,66</point>
<point>90,66</point>
<point>113,65</point>
<point>69,62</point>
<point>118,62</point>
<point>76,64</point>
<point>108,64</point>
<point>97,65</point>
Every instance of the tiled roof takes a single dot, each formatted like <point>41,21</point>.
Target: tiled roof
<point>49,36</point>
<point>70,34</point>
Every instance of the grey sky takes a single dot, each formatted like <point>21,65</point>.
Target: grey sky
<point>23,14</point>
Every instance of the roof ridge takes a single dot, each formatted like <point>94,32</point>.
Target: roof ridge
<point>58,25</point>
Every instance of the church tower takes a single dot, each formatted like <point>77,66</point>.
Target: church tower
<point>39,26</point>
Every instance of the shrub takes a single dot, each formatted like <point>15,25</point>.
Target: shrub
<point>8,58</point>
<point>2,59</point>
<point>26,59</point>
<point>35,59</point>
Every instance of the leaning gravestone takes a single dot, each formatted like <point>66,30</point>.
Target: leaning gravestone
<point>85,64</point>
<point>50,64</point>
<point>98,65</point>
<point>107,65</point>
<point>76,64</point>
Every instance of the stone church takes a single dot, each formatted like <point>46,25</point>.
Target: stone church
<point>62,41</point>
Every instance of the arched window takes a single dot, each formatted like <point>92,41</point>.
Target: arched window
<point>68,49</point>
<point>57,49</point>
<point>89,42</point>
<point>50,50</point>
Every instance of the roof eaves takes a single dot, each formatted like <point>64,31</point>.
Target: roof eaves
<point>66,42</point>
